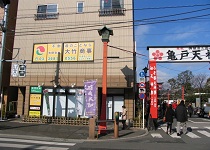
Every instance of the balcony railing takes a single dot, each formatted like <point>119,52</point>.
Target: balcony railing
<point>41,16</point>
<point>112,12</point>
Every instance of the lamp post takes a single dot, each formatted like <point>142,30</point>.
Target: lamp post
<point>145,72</point>
<point>105,33</point>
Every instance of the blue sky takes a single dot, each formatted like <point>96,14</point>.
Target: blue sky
<point>186,30</point>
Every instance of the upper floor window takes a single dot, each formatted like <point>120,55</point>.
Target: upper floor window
<point>111,7</point>
<point>80,7</point>
<point>49,11</point>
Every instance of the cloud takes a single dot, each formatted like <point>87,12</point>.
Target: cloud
<point>185,32</point>
<point>140,31</point>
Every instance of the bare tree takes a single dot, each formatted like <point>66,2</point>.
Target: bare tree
<point>199,81</point>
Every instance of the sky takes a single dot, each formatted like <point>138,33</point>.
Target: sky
<point>179,28</point>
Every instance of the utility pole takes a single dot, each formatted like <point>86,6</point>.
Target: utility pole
<point>2,49</point>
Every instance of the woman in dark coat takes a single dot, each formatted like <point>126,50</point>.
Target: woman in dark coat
<point>169,117</point>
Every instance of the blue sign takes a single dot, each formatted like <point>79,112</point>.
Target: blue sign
<point>142,96</point>
<point>142,74</point>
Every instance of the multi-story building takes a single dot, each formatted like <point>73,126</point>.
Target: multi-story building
<point>8,22</point>
<point>59,44</point>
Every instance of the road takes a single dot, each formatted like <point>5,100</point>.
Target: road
<point>197,138</point>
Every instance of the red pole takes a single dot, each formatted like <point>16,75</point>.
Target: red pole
<point>182,92</point>
<point>104,89</point>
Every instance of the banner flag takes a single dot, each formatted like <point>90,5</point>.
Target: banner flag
<point>90,88</point>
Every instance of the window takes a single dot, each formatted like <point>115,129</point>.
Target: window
<point>47,12</point>
<point>111,7</point>
<point>80,7</point>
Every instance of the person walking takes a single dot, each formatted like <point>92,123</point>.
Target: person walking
<point>181,117</point>
<point>169,116</point>
<point>124,117</point>
<point>174,105</point>
<point>190,110</point>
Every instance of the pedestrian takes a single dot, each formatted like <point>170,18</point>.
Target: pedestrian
<point>164,108</point>
<point>174,105</point>
<point>124,117</point>
<point>169,116</point>
<point>181,117</point>
<point>190,109</point>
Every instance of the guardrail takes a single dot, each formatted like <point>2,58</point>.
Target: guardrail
<point>56,120</point>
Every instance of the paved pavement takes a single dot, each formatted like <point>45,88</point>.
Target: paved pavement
<point>19,129</point>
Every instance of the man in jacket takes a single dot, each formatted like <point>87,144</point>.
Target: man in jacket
<point>181,117</point>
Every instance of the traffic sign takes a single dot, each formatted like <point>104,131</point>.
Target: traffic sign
<point>142,96</point>
<point>142,85</point>
<point>142,90</point>
<point>142,79</point>
<point>142,74</point>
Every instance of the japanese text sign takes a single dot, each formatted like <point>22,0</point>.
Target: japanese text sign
<point>180,54</point>
<point>90,97</point>
<point>153,89</point>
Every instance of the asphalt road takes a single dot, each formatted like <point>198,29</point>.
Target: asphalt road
<point>197,138</point>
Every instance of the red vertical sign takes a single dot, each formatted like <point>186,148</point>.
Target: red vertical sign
<point>153,89</point>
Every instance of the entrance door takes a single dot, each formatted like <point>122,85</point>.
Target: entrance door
<point>118,103</point>
<point>109,108</point>
<point>114,104</point>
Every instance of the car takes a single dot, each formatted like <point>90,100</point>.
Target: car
<point>207,110</point>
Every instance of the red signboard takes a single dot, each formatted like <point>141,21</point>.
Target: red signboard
<point>153,89</point>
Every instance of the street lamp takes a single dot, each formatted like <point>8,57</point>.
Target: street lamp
<point>145,72</point>
<point>105,33</point>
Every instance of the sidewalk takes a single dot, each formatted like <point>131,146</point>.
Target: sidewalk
<point>60,132</point>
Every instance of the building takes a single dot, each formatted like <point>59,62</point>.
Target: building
<point>59,49</point>
<point>7,28</point>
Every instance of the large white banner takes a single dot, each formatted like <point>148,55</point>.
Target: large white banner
<point>180,54</point>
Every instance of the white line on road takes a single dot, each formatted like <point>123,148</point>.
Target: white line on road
<point>204,133</point>
<point>208,128</point>
<point>24,146</point>
<point>173,135</point>
<point>192,135</point>
<point>156,135</point>
<point>37,142</point>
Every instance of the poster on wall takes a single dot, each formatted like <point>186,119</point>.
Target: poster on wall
<point>35,99</point>
<point>70,51</point>
<point>54,52</point>
<point>85,51</point>
<point>34,113</point>
<point>40,53</point>
<point>90,88</point>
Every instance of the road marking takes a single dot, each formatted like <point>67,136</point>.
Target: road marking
<point>208,128</point>
<point>192,135</point>
<point>24,146</point>
<point>156,135</point>
<point>37,142</point>
<point>173,135</point>
<point>204,133</point>
<point>199,122</point>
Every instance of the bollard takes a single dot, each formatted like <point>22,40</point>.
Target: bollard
<point>92,122</point>
<point>116,125</point>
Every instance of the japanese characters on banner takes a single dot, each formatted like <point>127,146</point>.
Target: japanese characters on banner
<point>90,88</point>
<point>66,52</point>
<point>180,54</point>
<point>153,89</point>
